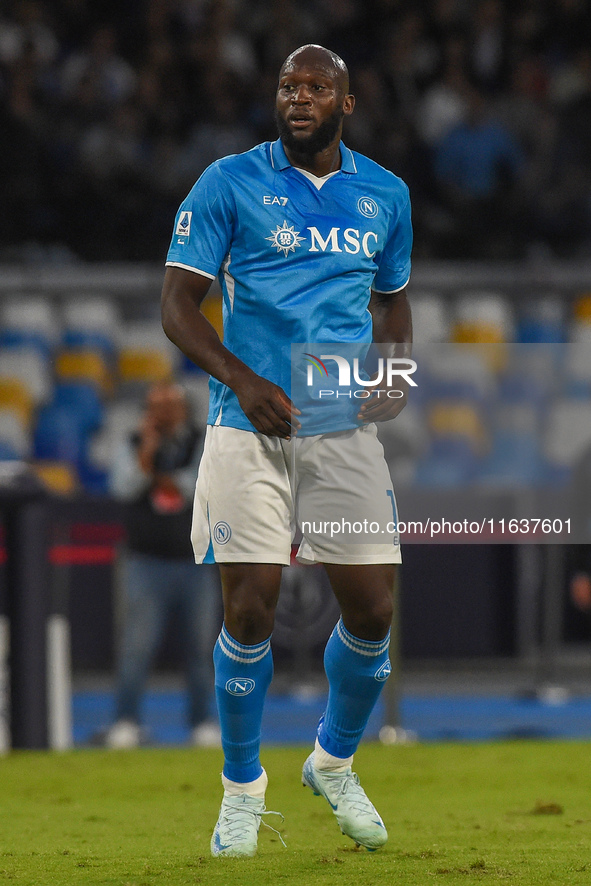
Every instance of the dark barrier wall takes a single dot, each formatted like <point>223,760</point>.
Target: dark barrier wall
<point>456,600</point>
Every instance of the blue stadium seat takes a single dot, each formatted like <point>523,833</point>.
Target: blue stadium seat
<point>90,340</point>
<point>24,338</point>
<point>60,435</point>
<point>83,401</point>
<point>450,463</point>
<point>92,323</point>
<point>8,452</point>
<point>541,320</point>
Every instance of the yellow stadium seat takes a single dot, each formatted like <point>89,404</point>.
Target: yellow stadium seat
<point>478,333</point>
<point>211,307</point>
<point>85,366</point>
<point>456,419</point>
<point>582,308</point>
<point>137,365</point>
<point>15,396</point>
<point>57,476</point>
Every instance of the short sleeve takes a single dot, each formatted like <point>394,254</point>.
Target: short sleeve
<point>203,225</point>
<point>394,269</point>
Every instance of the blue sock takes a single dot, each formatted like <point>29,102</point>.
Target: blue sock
<point>356,670</point>
<point>242,677</point>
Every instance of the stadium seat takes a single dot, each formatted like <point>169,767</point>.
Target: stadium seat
<point>483,317</point>
<point>458,442</point>
<point>15,397</point>
<point>450,464</point>
<point>582,308</point>
<point>8,452</point>
<point>146,355</point>
<point>532,374</point>
<point>28,366</point>
<point>29,320</point>
<point>454,371</point>
<point>83,401</point>
<point>515,459</point>
<point>430,317</point>
<point>58,477</point>
<point>92,323</point>
<point>577,366</point>
<point>14,433</point>
<point>84,366</point>
<point>567,433</point>
<point>212,308</point>
<point>59,435</point>
<point>404,440</point>
<point>541,320</point>
<point>146,367</point>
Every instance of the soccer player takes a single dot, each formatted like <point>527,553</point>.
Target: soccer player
<point>311,243</point>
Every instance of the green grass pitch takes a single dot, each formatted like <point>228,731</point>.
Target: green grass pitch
<point>516,813</point>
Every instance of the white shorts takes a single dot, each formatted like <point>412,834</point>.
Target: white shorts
<point>253,492</point>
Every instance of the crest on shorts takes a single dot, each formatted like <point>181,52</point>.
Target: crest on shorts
<point>285,238</point>
<point>222,532</point>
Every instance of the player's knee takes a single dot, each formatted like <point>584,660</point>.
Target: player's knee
<point>373,620</point>
<point>250,622</point>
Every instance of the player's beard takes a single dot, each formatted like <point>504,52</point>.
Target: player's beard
<point>309,146</point>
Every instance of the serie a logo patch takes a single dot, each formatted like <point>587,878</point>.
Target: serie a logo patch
<point>183,226</point>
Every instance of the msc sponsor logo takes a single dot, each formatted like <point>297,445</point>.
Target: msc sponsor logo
<point>351,241</point>
<point>367,207</point>
<point>240,686</point>
<point>286,239</point>
<point>382,674</point>
<point>222,533</point>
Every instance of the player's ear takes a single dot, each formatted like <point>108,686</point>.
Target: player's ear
<point>348,104</point>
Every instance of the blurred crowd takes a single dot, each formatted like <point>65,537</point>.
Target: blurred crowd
<point>109,112</point>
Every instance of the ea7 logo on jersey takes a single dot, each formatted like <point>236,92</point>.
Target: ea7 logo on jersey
<point>183,226</point>
<point>272,201</point>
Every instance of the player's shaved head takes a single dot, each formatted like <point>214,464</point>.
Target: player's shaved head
<point>314,56</point>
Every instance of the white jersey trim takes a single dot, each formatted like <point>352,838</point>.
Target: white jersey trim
<point>230,283</point>
<point>178,264</point>
<point>390,291</point>
<point>317,180</point>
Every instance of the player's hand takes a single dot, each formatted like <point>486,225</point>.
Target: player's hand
<point>385,403</point>
<point>267,406</point>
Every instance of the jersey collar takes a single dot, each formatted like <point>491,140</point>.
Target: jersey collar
<point>279,158</point>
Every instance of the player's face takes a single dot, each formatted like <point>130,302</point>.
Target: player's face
<point>310,107</point>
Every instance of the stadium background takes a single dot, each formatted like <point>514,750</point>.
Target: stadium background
<point>109,112</point>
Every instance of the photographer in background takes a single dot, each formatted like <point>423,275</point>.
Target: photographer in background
<point>154,472</point>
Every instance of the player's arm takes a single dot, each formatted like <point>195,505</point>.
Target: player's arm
<point>265,404</point>
<point>392,332</point>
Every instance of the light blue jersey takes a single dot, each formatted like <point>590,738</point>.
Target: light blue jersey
<point>296,257</point>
